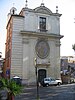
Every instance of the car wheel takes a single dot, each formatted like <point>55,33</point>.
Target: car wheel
<point>47,84</point>
<point>59,83</point>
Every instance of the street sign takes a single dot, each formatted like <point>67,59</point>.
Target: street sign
<point>8,72</point>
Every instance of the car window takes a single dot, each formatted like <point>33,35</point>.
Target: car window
<point>47,79</point>
<point>52,79</point>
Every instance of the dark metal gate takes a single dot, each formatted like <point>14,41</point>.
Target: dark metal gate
<point>41,74</point>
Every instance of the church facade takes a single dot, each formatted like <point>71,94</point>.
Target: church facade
<point>33,34</point>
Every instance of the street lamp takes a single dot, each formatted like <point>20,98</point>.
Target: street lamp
<point>36,78</point>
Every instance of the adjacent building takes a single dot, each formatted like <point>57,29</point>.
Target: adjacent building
<point>68,69</point>
<point>67,63</point>
<point>33,34</point>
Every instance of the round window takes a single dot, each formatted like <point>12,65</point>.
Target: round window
<point>42,49</point>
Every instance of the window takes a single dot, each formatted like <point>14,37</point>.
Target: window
<point>42,24</point>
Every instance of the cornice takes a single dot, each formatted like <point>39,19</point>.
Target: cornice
<point>42,10</point>
<point>42,34</point>
<point>11,18</point>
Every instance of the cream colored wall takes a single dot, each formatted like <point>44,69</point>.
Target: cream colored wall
<point>28,59</point>
<point>54,56</point>
<point>31,22</point>
<point>17,52</point>
<point>23,48</point>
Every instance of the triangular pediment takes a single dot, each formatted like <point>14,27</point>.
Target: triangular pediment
<point>43,9</point>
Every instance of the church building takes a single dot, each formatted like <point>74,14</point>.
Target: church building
<point>33,40</point>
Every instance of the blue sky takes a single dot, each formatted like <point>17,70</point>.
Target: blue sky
<point>67,25</point>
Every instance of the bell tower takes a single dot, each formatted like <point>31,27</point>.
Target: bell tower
<point>12,12</point>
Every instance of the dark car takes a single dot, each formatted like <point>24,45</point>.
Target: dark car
<point>17,80</point>
<point>1,84</point>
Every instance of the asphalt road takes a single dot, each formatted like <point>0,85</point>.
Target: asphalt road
<point>63,92</point>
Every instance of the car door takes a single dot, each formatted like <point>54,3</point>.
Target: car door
<point>52,81</point>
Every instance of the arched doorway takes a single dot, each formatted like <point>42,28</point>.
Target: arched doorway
<point>41,74</point>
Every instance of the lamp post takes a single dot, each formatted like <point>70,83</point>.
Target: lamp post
<point>36,78</point>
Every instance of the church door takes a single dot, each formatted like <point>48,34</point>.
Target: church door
<point>41,74</point>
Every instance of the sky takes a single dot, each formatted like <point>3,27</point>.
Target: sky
<point>67,22</point>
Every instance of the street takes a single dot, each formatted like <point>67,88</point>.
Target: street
<point>63,92</point>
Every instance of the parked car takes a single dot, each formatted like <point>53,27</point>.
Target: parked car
<point>50,81</point>
<point>72,80</point>
<point>17,80</point>
<point>59,81</point>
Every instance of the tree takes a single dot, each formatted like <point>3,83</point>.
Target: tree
<point>12,88</point>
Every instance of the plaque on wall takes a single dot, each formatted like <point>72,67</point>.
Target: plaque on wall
<point>42,49</point>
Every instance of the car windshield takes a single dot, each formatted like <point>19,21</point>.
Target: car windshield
<point>47,79</point>
<point>52,79</point>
